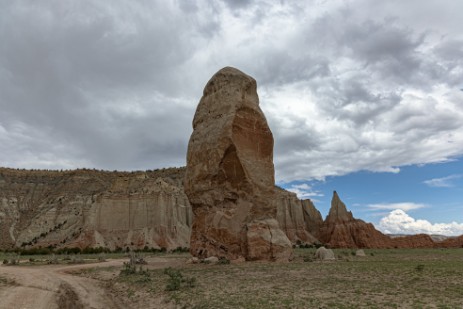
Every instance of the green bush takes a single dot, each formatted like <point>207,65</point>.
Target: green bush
<point>176,280</point>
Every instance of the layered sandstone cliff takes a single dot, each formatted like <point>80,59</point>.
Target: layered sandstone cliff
<point>89,208</point>
<point>229,178</point>
<point>299,219</point>
<point>86,208</point>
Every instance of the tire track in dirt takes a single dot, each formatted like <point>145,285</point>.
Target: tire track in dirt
<point>50,286</point>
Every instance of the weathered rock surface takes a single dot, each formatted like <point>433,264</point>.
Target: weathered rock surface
<point>299,219</point>
<point>452,242</point>
<point>87,208</point>
<point>230,175</point>
<point>324,254</point>
<point>342,230</point>
<point>413,241</point>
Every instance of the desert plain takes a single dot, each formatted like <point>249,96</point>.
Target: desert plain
<point>383,278</point>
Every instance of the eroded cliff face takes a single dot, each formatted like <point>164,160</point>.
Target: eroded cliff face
<point>299,219</point>
<point>86,208</point>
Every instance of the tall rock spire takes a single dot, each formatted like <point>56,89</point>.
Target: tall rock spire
<point>229,179</point>
<point>338,211</point>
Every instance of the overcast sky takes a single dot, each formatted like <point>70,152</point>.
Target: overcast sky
<point>345,85</point>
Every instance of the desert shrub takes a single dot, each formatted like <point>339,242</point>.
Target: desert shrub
<point>101,257</point>
<point>180,250</point>
<point>128,269</point>
<point>136,258</point>
<point>176,280</point>
<point>53,259</point>
<point>223,261</point>
<point>419,268</point>
<point>308,259</point>
<point>90,250</point>
<point>5,262</point>
<point>190,282</point>
<point>75,259</point>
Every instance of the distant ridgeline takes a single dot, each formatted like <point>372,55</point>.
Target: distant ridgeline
<point>149,210</point>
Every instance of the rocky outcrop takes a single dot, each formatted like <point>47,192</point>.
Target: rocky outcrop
<point>299,219</point>
<point>230,175</point>
<point>342,230</point>
<point>451,242</point>
<point>412,241</point>
<point>87,208</point>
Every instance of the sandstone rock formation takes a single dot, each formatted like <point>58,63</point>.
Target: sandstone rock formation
<point>324,254</point>
<point>87,208</point>
<point>412,241</point>
<point>452,242</point>
<point>230,175</point>
<point>342,230</point>
<point>299,219</point>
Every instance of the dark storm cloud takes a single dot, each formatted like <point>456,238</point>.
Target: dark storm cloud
<point>345,86</point>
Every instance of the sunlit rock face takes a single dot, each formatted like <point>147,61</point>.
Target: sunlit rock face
<point>88,208</point>
<point>230,175</point>
<point>341,230</point>
<point>299,219</point>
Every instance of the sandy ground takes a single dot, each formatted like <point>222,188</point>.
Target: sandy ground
<point>51,286</point>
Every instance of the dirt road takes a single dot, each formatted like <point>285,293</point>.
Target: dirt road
<point>50,287</point>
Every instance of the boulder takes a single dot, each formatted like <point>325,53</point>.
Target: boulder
<point>360,252</point>
<point>229,178</point>
<point>211,259</point>
<point>324,254</point>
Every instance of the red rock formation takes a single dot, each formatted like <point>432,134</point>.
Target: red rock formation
<point>342,230</point>
<point>230,175</point>
<point>452,242</point>
<point>412,241</point>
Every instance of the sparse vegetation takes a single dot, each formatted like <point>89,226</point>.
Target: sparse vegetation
<point>394,278</point>
<point>388,279</point>
<point>176,280</point>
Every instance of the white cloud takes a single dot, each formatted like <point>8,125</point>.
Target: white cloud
<point>304,191</point>
<point>392,206</point>
<point>399,222</point>
<point>444,182</point>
